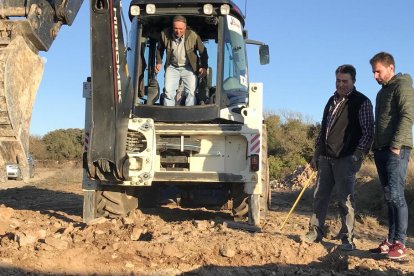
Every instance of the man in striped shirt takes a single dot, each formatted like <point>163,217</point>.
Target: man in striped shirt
<point>345,138</point>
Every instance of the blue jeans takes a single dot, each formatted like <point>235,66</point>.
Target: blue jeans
<point>339,172</point>
<point>392,170</point>
<point>172,80</point>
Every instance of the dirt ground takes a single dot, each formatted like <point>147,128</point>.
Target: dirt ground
<point>42,233</point>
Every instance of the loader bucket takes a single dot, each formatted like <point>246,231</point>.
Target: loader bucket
<point>21,71</point>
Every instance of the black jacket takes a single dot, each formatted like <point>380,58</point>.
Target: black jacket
<point>345,132</point>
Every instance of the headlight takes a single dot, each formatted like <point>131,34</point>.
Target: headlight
<point>225,9</point>
<point>150,8</point>
<point>208,9</point>
<point>134,10</point>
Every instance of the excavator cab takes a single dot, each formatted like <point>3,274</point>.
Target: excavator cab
<point>148,92</point>
<point>220,26</point>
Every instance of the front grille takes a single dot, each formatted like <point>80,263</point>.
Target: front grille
<point>136,141</point>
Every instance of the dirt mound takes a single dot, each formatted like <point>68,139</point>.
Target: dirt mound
<point>296,180</point>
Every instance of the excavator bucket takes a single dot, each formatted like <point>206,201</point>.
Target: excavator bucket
<point>21,71</point>
<point>26,27</point>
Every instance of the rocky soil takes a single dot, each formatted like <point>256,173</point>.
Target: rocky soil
<point>42,233</point>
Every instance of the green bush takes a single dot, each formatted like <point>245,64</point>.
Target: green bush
<point>61,144</point>
<point>290,143</point>
<point>280,166</point>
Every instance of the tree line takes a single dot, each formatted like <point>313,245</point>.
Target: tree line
<point>58,145</point>
<point>290,143</point>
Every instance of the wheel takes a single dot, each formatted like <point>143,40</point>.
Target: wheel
<point>115,202</point>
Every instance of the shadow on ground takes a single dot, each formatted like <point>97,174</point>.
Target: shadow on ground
<point>324,267</point>
<point>278,269</point>
<point>43,200</point>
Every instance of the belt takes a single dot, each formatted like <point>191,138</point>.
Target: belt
<point>327,157</point>
<point>178,66</point>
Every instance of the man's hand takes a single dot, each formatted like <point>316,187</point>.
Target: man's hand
<point>314,162</point>
<point>202,72</point>
<point>395,150</point>
<point>359,154</point>
<point>157,67</point>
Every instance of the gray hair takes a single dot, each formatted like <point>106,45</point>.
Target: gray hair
<point>179,18</point>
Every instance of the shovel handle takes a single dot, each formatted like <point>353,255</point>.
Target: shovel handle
<point>299,197</point>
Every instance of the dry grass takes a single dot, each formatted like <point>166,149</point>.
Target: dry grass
<point>64,174</point>
<point>369,221</point>
<point>72,175</point>
<point>368,170</point>
<point>410,175</point>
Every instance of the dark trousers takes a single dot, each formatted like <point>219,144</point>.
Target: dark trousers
<point>392,170</point>
<point>339,172</point>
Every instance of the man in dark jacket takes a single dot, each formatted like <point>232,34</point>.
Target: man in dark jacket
<point>182,45</point>
<point>345,138</point>
<point>394,112</point>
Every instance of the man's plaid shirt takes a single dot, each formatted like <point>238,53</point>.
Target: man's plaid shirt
<point>366,120</point>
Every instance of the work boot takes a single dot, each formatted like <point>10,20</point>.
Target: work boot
<point>347,243</point>
<point>347,246</point>
<point>314,235</point>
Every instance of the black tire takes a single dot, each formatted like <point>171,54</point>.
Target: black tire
<point>115,203</point>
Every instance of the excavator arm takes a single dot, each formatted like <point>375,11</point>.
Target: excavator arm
<point>26,27</point>
<point>112,95</point>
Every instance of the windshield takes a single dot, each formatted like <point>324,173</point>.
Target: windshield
<point>235,82</point>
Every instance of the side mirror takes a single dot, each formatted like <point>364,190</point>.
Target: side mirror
<point>245,34</point>
<point>264,54</point>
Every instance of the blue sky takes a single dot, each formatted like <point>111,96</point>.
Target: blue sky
<point>307,39</point>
